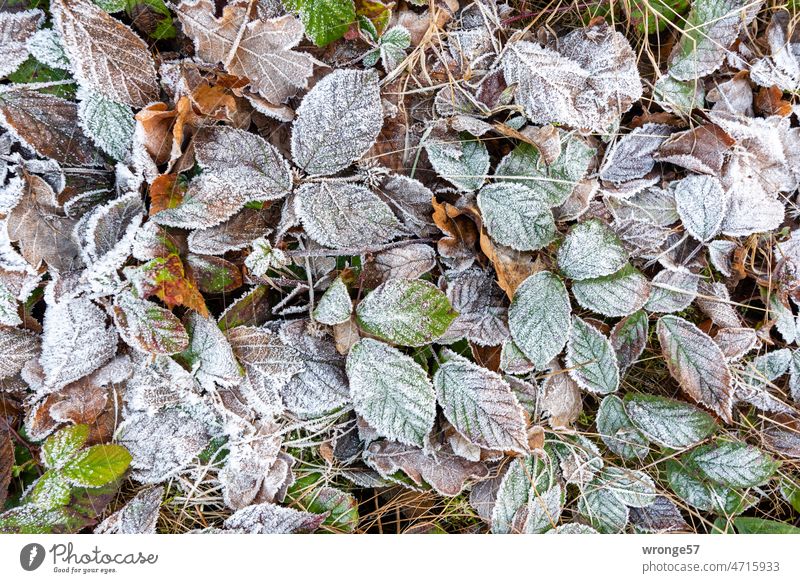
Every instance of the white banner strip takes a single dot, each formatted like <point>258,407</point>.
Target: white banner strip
<point>407,558</point>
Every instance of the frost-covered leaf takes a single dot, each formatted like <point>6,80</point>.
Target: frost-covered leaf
<point>697,363</point>
<point>232,234</point>
<point>618,431</point>
<point>544,510</point>
<point>701,204</point>
<point>516,216</point>
<point>209,354</point>
<point>701,149</point>
<point>405,262</point>
<point>254,455</point>
<point>46,47</point>
<point>480,405</point>
<point>162,444</point>
<point>736,342</point>
<point>268,518</point>
<point>554,182</point>
<point>560,400</point>
<point>591,359</point>
<point>619,294</point>
<point>603,509</point>
<point>522,480</point>
<point>258,50</point>
<point>96,466</point>
<point>406,312</point>
<point>512,359</point>
<point>580,460</point>
<point>335,305</point>
<point>631,157</point>
<point>633,488</point>
<point>106,55</point>
<point>679,96</point>
<point>710,29</point>
<point>138,516</point>
<point>587,84</point>
<point>411,202</point>
<point>481,308</point>
<point>337,122</point>
<point>325,20</point>
<point>391,392</point>
<point>670,423</point>
<point>108,123</point>
<point>539,317</point>
<point>445,472</point>
<point>75,342</point>
<point>715,302</point>
<point>344,215</point>
<point>720,253</point>
<point>17,346</point>
<point>659,517</point>
<point>48,125</point>
<point>794,376</point>
<point>16,28</point>
<point>591,250</point>
<point>462,161</point>
<point>673,291</point>
<point>732,464</point>
<point>629,338</point>
<point>238,167</point>
<point>148,327</point>
<point>696,491</point>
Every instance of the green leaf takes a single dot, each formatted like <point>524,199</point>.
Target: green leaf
<point>629,338</point>
<point>406,312</point>
<point>51,491</point>
<point>341,507</point>
<point>335,305</point>
<point>591,250</point>
<point>750,525</point>
<point>464,163</point>
<point>591,360</point>
<point>679,96</point>
<point>615,295</point>
<point>64,444</point>
<point>632,487</point>
<point>732,464</point>
<point>550,183</point>
<point>391,392</point>
<point>703,495</point>
<point>539,317</point>
<point>325,20</point>
<point>516,216</point>
<point>602,508</point>
<point>97,466</point>
<point>524,476</point>
<point>618,431</point>
<point>148,327</point>
<point>670,423</point>
<point>480,404</point>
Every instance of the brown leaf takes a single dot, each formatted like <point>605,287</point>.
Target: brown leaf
<point>235,233</point>
<point>43,232</point>
<point>769,101</point>
<point>163,130</point>
<point>164,277</point>
<point>15,30</point>
<point>213,275</point>
<point>48,125</point>
<point>252,309</point>
<point>6,462</point>
<point>105,54</point>
<point>511,267</point>
<point>260,50</point>
<point>461,231</point>
<point>166,192</point>
<point>700,149</point>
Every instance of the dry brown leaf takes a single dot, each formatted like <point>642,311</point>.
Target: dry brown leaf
<point>166,192</point>
<point>6,462</point>
<point>15,30</point>
<point>105,54</point>
<point>461,231</point>
<point>260,50</point>
<point>48,125</point>
<point>701,149</point>
<point>770,101</point>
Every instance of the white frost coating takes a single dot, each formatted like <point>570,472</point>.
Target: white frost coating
<point>553,182</point>
<point>335,305</point>
<point>263,257</point>
<point>515,216</point>
<point>733,464</point>
<point>602,508</point>
<point>794,377</point>
<point>159,384</point>
<point>591,250</point>
<point>109,124</point>
<point>481,306</point>
<point>406,262</point>
<point>148,327</point>
<point>618,431</point>
<point>246,467</point>
<point>45,46</point>
<point>463,163</point>
<point>591,360</point>
<point>714,301</point>
<point>16,28</point>
<point>633,488</point>
<point>588,84</point>
<point>782,67</point>
<point>138,516</point>
<point>631,157</point>
<point>17,346</point>
<point>270,518</point>
<point>735,343</point>
<point>697,363</point>
<point>673,424</point>
<point>702,204</point>
<point>106,55</point>
<point>234,234</point>
<point>720,253</point>
<point>75,342</point>
<point>391,392</point>
<point>619,294</point>
<point>337,122</point>
<point>238,167</point>
<point>544,510</point>
<point>212,357</point>
<point>259,50</point>
<point>338,214</point>
<point>480,405</point>
<point>524,477</point>
<point>673,291</point>
<point>539,317</point>
<point>629,338</point>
